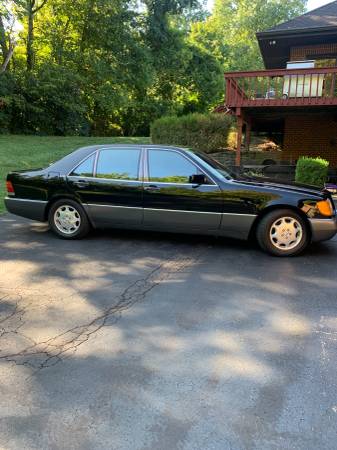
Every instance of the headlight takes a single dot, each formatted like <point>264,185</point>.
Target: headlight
<point>325,207</point>
<point>321,208</point>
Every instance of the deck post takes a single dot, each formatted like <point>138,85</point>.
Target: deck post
<point>239,141</point>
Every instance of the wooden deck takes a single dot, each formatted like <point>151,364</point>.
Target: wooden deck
<point>281,88</point>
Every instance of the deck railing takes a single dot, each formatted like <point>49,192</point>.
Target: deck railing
<point>284,87</point>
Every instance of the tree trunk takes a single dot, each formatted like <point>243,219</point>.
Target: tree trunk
<point>86,25</point>
<point>8,57</point>
<point>30,37</point>
<point>3,40</point>
<point>60,50</point>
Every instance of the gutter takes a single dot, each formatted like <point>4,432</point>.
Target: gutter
<point>294,32</point>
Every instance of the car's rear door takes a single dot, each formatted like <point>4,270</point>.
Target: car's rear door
<point>171,201</point>
<point>113,193</point>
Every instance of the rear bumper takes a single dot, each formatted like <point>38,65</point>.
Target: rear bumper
<point>31,209</point>
<point>323,229</point>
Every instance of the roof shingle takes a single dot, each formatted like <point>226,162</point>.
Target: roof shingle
<point>324,16</point>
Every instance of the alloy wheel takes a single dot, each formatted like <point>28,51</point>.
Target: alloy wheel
<point>67,219</point>
<point>286,233</point>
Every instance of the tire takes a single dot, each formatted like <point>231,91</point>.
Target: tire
<point>282,232</point>
<point>68,219</point>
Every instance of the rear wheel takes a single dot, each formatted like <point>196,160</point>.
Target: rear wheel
<point>68,219</point>
<point>282,233</point>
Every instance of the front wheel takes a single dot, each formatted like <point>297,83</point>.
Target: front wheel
<point>282,233</point>
<point>68,219</point>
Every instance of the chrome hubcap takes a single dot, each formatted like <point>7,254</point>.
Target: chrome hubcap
<point>67,219</point>
<point>286,233</point>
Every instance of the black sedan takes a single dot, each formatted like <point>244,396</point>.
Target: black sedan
<point>163,188</point>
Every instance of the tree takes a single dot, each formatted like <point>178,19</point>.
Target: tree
<point>229,33</point>
<point>27,11</point>
<point>7,34</point>
<point>107,67</point>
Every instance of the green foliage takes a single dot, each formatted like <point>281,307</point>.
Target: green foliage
<point>45,104</point>
<point>102,67</point>
<point>229,33</point>
<point>312,171</point>
<point>7,89</point>
<point>206,132</point>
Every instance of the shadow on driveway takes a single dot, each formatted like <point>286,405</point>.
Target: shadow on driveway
<point>152,341</point>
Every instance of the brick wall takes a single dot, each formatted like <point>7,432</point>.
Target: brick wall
<point>312,51</point>
<point>314,135</point>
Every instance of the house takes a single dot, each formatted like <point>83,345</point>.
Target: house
<point>294,100</point>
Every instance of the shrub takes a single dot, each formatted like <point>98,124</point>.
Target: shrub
<point>7,88</point>
<point>232,138</point>
<point>312,171</point>
<point>206,132</point>
<point>49,101</point>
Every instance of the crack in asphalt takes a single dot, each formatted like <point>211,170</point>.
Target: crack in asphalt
<point>40,355</point>
<point>16,314</point>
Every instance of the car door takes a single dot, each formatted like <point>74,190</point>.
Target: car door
<point>109,184</point>
<point>171,201</point>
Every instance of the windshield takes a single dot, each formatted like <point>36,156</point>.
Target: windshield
<point>224,171</point>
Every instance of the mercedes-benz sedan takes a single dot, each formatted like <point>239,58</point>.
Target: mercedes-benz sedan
<point>170,189</point>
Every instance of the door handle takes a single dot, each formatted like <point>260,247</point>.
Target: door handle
<point>151,187</point>
<point>81,183</point>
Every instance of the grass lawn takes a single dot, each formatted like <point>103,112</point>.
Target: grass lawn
<point>20,152</point>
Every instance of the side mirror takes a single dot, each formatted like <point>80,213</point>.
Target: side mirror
<point>198,179</point>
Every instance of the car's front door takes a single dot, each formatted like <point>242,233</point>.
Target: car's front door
<point>113,193</point>
<point>171,201</point>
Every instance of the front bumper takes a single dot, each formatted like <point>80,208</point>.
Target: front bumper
<point>31,209</point>
<point>323,229</point>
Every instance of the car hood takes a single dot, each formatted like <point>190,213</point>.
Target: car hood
<point>286,186</point>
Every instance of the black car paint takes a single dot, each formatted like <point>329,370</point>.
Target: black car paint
<point>226,206</point>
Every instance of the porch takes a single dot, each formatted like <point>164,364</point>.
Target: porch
<point>278,93</point>
<point>281,88</point>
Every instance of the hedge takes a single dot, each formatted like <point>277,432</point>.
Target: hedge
<point>312,171</point>
<point>206,132</point>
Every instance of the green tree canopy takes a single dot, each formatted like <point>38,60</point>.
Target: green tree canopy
<point>229,33</point>
<point>105,67</point>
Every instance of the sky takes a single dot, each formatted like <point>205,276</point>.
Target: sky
<point>312,4</point>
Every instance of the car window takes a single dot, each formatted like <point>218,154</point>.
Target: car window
<point>85,169</point>
<point>224,171</point>
<point>170,167</point>
<point>118,164</point>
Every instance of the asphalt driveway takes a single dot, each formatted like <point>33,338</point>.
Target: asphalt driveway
<point>134,341</point>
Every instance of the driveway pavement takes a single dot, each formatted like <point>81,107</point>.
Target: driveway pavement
<point>133,341</point>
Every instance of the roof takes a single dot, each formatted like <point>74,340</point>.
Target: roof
<point>80,154</point>
<point>322,17</point>
<point>316,27</point>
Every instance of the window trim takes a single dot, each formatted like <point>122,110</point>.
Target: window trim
<point>139,171</point>
<point>147,168</point>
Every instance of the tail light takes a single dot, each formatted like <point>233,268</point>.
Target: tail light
<point>10,188</point>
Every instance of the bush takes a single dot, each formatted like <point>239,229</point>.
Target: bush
<point>7,87</point>
<point>312,171</point>
<point>49,102</point>
<point>206,132</point>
